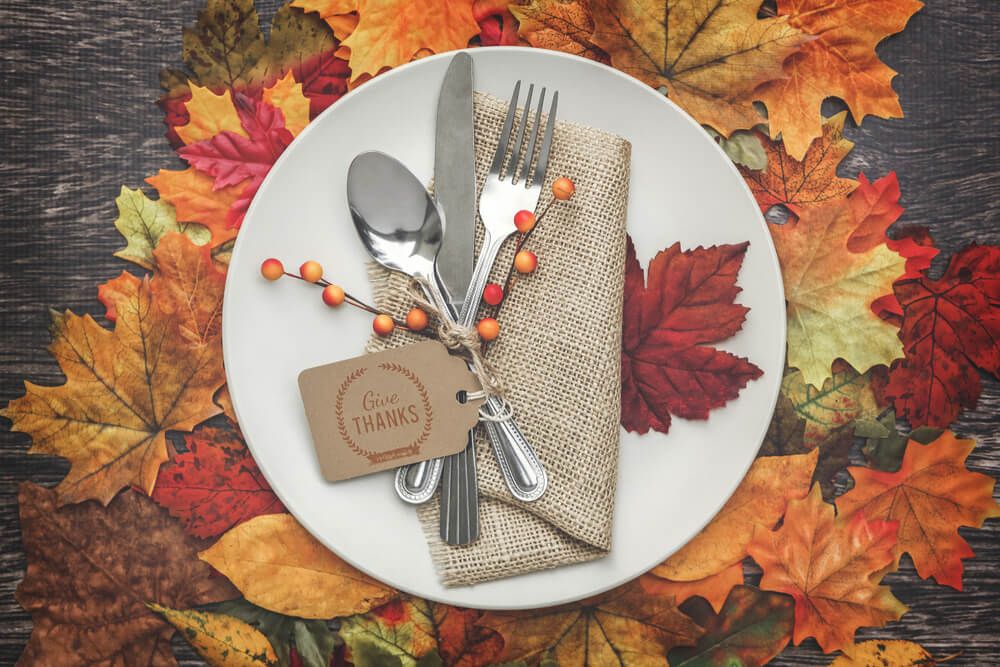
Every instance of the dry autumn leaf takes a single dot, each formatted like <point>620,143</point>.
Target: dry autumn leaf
<point>843,398</point>
<point>710,56</point>
<point>143,222</point>
<point>279,566</point>
<point>759,501</point>
<point>208,115</point>
<point>797,184</point>
<point>195,199</point>
<point>930,496</point>
<point>226,48</point>
<point>840,61</point>
<point>830,290</point>
<point>223,641</point>
<point>287,96</point>
<point>559,25</point>
<point>626,626</point>
<point>189,288</point>
<point>831,566</point>
<point>124,390</point>
<point>714,588</point>
<point>392,32</point>
<point>90,571</point>
<point>888,652</point>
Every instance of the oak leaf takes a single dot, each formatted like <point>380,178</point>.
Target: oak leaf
<point>831,567</point>
<point>143,222</point>
<point>195,199</point>
<point>626,626</point>
<point>930,496</point>
<point>840,61</point>
<point>287,96</point>
<point>124,390</point>
<point>392,32</point>
<point>279,566</point>
<point>752,628</point>
<point>708,55</point>
<point>894,652</point>
<point>90,572</point>
<point>215,484</point>
<point>797,184</point>
<point>950,330</point>
<point>208,115</point>
<point>223,641</point>
<point>684,304</point>
<point>759,501</point>
<point>713,588</point>
<point>830,290</point>
<point>559,25</point>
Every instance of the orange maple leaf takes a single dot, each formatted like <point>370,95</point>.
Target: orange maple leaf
<point>559,25</point>
<point>714,588</point>
<point>840,62</point>
<point>709,56</point>
<point>209,115</point>
<point>832,568</point>
<point>800,183</point>
<point>393,32</point>
<point>189,287</point>
<point>194,199</point>
<point>931,495</point>
<point>124,389</point>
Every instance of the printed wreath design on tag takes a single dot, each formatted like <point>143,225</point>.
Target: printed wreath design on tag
<point>412,448</point>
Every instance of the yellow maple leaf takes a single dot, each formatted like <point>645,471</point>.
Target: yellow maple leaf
<point>209,115</point>
<point>839,62</point>
<point>124,389</point>
<point>760,500</point>
<point>224,641</point>
<point>393,32</point>
<point>287,95</point>
<point>888,652</point>
<point>192,194</point>
<point>278,565</point>
<point>708,55</point>
<point>829,291</point>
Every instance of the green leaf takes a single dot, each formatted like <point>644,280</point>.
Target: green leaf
<point>296,36</point>
<point>315,642</point>
<point>884,449</point>
<point>743,148</point>
<point>143,222</point>
<point>844,398</point>
<point>786,433</point>
<point>226,48</point>
<point>752,628</point>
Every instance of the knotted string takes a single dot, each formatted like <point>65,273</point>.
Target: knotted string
<point>466,341</point>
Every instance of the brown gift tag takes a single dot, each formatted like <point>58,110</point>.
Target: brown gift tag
<point>387,409</point>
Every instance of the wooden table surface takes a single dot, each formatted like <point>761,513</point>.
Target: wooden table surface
<point>76,108</point>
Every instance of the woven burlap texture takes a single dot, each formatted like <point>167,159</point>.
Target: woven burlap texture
<point>559,352</point>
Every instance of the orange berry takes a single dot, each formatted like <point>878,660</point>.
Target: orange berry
<point>525,261</point>
<point>493,294</point>
<point>488,328</point>
<point>272,269</point>
<point>563,188</point>
<point>524,221</point>
<point>333,295</point>
<point>311,271</point>
<point>416,319</point>
<point>383,325</point>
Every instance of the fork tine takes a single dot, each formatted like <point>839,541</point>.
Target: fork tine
<point>505,133</point>
<point>515,151</point>
<point>543,154</point>
<point>530,153</point>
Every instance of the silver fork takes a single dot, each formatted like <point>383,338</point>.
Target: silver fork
<point>510,187</point>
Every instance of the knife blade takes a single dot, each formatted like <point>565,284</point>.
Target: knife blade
<point>455,179</point>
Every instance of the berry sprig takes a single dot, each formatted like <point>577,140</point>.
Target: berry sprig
<point>525,262</point>
<point>334,295</point>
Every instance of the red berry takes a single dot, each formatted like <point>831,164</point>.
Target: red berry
<point>493,294</point>
<point>488,328</point>
<point>383,325</point>
<point>333,295</point>
<point>272,269</point>
<point>524,221</point>
<point>416,319</point>
<point>525,261</point>
<point>311,271</point>
<point>563,188</point>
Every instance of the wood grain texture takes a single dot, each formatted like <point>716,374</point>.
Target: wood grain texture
<point>78,121</point>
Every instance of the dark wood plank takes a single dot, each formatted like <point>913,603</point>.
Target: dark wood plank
<point>78,121</point>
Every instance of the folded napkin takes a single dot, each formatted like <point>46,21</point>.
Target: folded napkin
<point>559,352</point>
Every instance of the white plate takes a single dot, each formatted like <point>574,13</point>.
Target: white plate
<point>683,189</point>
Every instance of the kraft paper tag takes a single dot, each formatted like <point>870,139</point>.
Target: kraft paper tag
<point>388,409</point>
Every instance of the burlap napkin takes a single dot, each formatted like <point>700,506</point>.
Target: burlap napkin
<point>559,353</point>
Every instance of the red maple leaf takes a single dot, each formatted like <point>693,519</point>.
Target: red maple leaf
<point>950,328</point>
<point>323,78</point>
<point>232,159</point>
<point>685,303</point>
<point>497,26</point>
<point>215,484</point>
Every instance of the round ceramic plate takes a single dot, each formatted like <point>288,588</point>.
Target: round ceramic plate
<point>683,189</point>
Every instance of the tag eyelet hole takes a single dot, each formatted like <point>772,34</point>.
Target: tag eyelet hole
<point>462,396</point>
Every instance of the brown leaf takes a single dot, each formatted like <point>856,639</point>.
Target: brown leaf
<point>560,26</point>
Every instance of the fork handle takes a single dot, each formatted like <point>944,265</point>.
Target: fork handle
<point>480,274</point>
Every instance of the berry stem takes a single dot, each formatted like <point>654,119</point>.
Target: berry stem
<point>354,301</point>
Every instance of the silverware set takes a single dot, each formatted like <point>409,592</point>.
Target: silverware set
<point>432,239</point>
